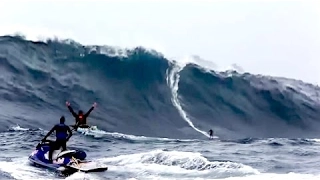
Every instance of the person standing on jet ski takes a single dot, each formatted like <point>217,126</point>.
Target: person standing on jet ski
<point>81,119</point>
<point>62,137</point>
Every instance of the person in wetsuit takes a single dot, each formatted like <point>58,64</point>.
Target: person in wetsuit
<point>211,133</point>
<point>81,119</point>
<point>62,137</point>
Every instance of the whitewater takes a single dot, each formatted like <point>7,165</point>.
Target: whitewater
<point>154,115</point>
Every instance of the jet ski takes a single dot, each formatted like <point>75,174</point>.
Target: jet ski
<point>65,162</point>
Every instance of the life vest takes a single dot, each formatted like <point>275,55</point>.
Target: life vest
<point>80,118</point>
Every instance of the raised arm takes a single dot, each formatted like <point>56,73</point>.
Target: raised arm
<point>88,113</point>
<point>70,109</point>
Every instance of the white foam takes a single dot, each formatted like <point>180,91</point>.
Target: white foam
<point>170,165</point>
<point>92,132</point>
<point>82,176</point>
<point>144,138</point>
<point>315,140</point>
<point>267,176</point>
<point>263,176</point>
<point>109,50</point>
<point>101,133</point>
<point>175,163</point>
<point>19,168</point>
<point>206,65</point>
<point>173,78</point>
<point>18,128</point>
<point>36,33</point>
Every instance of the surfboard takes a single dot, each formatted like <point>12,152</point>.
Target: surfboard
<point>88,129</point>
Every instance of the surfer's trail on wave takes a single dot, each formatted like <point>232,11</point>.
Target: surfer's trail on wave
<point>140,92</point>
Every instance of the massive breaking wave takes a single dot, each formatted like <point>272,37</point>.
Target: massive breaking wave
<point>140,92</point>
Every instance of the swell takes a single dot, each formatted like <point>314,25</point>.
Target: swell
<point>250,106</point>
<point>131,91</point>
<point>134,97</point>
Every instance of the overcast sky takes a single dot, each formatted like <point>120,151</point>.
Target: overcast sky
<point>270,37</point>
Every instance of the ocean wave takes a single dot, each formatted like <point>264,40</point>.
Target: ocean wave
<point>142,93</point>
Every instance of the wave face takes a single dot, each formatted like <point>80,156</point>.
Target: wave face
<point>140,92</point>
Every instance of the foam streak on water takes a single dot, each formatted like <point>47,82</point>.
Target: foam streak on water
<point>169,159</point>
<point>140,93</point>
<point>173,81</point>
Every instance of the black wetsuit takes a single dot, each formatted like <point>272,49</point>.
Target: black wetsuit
<point>61,138</point>
<point>80,119</point>
<point>210,132</point>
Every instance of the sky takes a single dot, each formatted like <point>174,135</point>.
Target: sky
<point>270,37</point>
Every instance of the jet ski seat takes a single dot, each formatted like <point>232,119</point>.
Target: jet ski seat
<point>62,153</point>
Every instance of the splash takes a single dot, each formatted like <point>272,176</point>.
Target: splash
<point>18,128</point>
<point>127,137</point>
<point>173,78</point>
<point>177,163</point>
<point>155,102</point>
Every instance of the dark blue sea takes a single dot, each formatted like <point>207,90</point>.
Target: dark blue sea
<point>154,115</point>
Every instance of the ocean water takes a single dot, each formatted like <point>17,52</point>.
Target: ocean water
<point>154,115</point>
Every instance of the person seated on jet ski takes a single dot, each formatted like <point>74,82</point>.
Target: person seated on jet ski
<point>81,119</point>
<point>62,137</point>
